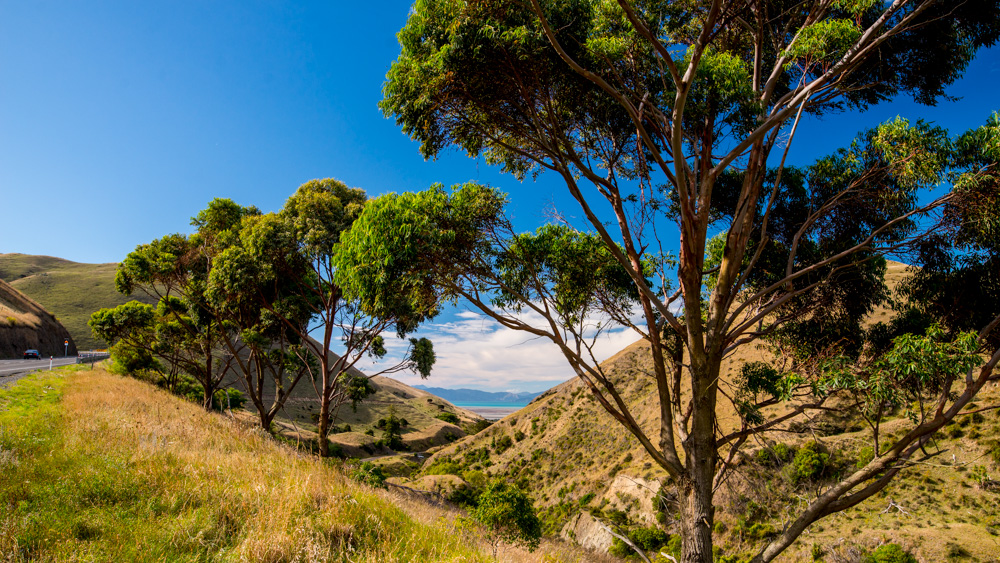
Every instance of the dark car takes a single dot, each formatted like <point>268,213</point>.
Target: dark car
<point>32,355</point>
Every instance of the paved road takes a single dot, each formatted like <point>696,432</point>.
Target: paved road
<point>12,370</point>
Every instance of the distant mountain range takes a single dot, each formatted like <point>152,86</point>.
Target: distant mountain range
<point>474,396</point>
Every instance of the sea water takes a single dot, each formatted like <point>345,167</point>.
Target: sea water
<point>492,411</point>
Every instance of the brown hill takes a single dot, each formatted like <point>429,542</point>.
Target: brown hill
<point>24,324</point>
<point>574,458</point>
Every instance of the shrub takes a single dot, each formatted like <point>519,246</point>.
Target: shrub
<point>443,467</point>
<point>508,516</point>
<point>475,478</point>
<point>370,474</point>
<point>224,399</point>
<point>776,455</point>
<point>617,517</point>
<point>518,435</point>
<point>783,452</point>
<point>449,417</point>
<point>890,553</point>
<point>478,427</point>
<point>810,462</point>
<point>480,455</point>
<point>649,538</point>
<point>501,445</point>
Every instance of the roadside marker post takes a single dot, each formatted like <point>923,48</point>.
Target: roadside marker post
<point>66,349</point>
<point>50,363</point>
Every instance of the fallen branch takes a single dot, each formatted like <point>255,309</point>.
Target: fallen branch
<point>893,504</point>
<point>625,539</point>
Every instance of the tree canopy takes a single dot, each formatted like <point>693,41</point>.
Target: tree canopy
<point>674,119</point>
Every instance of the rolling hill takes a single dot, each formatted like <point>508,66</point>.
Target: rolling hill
<point>71,291</point>
<point>577,460</point>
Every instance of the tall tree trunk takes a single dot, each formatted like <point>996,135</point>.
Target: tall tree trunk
<point>266,416</point>
<point>207,384</point>
<point>697,495</point>
<point>324,424</point>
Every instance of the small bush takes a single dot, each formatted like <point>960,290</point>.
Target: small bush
<point>480,455</point>
<point>478,427</point>
<point>369,474</point>
<point>518,435</point>
<point>890,553</point>
<point>464,495</point>
<point>953,550</point>
<point>476,478</point>
<point>449,417</point>
<point>776,455</point>
<point>617,517</point>
<point>649,538</point>
<point>501,445</point>
<point>225,399</point>
<point>783,452</point>
<point>810,462</point>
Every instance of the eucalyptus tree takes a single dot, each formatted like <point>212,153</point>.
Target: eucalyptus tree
<point>676,117</point>
<point>182,329</point>
<point>284,264</point>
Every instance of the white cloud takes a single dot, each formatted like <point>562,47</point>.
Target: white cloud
<point>476,352</point>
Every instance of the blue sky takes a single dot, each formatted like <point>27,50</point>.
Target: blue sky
<point>120,120</point>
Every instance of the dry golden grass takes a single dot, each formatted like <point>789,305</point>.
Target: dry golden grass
<point>112,469</point>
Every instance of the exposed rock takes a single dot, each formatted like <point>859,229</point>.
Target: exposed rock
<point>634,495</point>
<point>24,324</point>
<point>587,532</point>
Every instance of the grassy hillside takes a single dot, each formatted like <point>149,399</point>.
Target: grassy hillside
<point>104,468</point>
<point>69,290</point>
<point>577,459</point>
<point>298,420</point>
